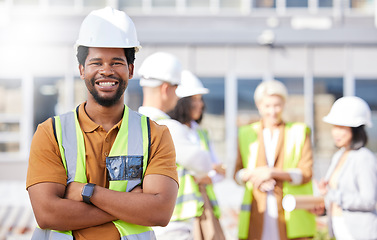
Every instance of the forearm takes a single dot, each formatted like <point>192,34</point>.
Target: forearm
<point>280,175</point>
<point>152,207</point>
<point>52,211</point>
<point>72,215</point>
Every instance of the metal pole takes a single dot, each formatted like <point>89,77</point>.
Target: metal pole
<point>231,118</point>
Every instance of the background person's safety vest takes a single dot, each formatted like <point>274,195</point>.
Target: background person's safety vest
<point>189,203</point>
<point>299,223</point>
<point>130,156</point>
<point>204,141</point>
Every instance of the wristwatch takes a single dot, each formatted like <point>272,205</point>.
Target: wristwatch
<point>87,192</point>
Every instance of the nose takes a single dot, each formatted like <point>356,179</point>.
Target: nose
<point>106,70</point>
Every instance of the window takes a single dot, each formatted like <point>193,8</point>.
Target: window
<point>163,3</point>
<point>265,3</point>
<point>62,3</point>
<point>45,99</point>
<point>95,3</point>
<point>130,3</point>
<point>246,89</point>
<point>297,3</point>
<point>215,99</point>
<point>198,3</point>
<point>366,89</point>
<point>325,3</point>
<point>10,116</point>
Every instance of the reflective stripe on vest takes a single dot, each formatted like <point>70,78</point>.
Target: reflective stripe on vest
<point>204,141</point>
<point>189,201</point>
<point>300,223</point>
<point>132,140</point>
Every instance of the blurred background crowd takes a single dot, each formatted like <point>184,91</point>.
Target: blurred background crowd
<point>320,49</point>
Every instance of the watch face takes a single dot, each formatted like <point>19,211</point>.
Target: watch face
<point>87,191</point>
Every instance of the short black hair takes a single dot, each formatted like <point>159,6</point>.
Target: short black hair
<point>182,111</point>
<point>82,54</point>
<point>359,137</point>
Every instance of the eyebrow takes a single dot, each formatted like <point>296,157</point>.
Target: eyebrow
<point>99,59</point>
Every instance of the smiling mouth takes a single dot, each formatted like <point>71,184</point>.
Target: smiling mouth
<point>106,84</point>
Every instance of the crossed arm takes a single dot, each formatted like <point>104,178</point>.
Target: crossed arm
<point>60,208</point>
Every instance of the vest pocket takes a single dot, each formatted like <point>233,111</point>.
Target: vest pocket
<point>124,167</point>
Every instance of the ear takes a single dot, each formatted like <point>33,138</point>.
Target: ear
<point>82,71</point>
<point>164,89</point>
<point>130,71</point>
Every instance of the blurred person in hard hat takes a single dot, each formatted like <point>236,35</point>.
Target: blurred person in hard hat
<point>160,74</point>
<point>350,184</point>
<point>274,159</point>
<point>189,111</point>
<point>102,171</point>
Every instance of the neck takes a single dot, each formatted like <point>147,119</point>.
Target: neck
<point>271,126</point>
<point>152,98</point>
<point>107,117</point>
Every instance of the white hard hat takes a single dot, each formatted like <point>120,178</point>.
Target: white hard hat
<point>108,28</point>
<point>158,68</point>
<point>190,85</point>
<point>349,111</point>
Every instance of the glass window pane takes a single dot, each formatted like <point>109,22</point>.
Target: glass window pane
<point>246,89</point>
<point>61,3</point>
<point>297,3</point>
<point>366,6</point>
<point>326,91</point>
<point>366,89</point>
<point>325,3</point>
<point>197,3</point>
<point>10,114</point>
<point>130,3</point>
<point>215,99</point>
<point>26,2</point>
<point>94,3</point>
<point>230,3</point>
<point>163,3</point>
<point>294,85</point>
<point>45,99</point>
<point>265,3</point>
<point>332,86</point>
<point>294,109</point>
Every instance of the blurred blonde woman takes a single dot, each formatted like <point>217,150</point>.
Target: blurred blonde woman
<point>350,184</point>
<point>274,159</point>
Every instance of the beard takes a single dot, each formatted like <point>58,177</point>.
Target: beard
<point>107,102</point>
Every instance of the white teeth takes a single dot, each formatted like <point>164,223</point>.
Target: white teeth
<point>106,84</point>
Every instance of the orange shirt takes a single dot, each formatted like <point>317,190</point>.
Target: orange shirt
<point>45,164</point>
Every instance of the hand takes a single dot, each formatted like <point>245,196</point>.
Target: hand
<point>322,186</point>
<point>73,191</point>
<point>318,210</point>
<point>260,175</point>
<point>220,169</point>
<point>267,186</point>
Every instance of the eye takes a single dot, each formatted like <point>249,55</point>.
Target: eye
<point>118,63</point>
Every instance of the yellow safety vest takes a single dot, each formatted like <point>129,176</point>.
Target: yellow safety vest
<point>300,223</point>
<point>189,201</point>
<point>204,141</point>
<point>128,153</point>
